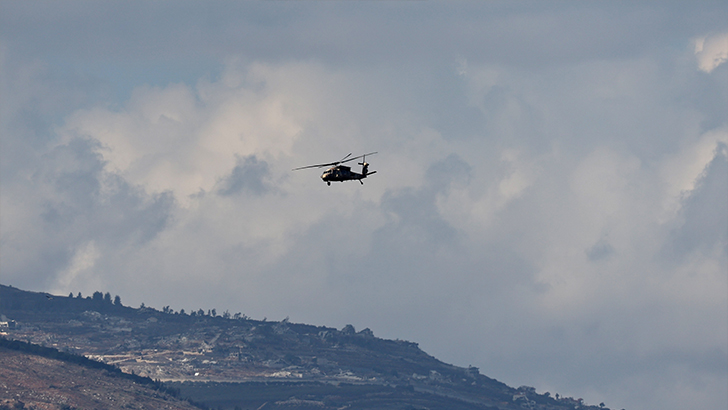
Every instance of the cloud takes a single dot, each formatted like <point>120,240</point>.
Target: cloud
<point>703,221</point>
<point>248,175</point>
<point>184,139</point>
<point>73,213</point>
<point>601,250</point>
<point>711,51</point>
<point>508,233</point>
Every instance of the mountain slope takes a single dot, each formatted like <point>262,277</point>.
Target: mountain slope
<point>32,378</point>
<point>336,367</point>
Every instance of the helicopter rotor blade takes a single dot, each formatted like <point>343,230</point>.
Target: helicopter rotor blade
<point>360,156</point>
<point>330,164</point>
<point>342,159</point>
<point>316,166</point>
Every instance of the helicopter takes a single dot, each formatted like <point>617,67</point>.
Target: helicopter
<point>342,173</point>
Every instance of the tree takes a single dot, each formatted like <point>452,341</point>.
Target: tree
<point>107,298</point>
<point>70,295</point>
<point>117,300</point>
<point>98,296</point>
<point>79,295</point>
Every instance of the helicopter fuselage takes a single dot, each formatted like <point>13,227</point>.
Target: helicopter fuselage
<point>341,173</point>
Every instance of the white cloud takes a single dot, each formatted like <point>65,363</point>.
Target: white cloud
<point>185,140</point>
<point>680,172</point>
<point>515,229</point>
<point>711,51</point>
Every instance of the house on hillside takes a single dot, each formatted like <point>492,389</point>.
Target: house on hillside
<point>8,325</point>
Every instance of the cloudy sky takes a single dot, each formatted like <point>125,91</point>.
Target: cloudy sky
<point>550,202</point>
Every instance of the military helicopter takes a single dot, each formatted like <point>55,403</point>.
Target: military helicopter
<point>342,173</point>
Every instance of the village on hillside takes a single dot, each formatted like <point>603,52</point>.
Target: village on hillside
<point>177,347</point>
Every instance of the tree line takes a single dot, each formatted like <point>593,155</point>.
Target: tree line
<point>100,297</point>
<point>105,298</point>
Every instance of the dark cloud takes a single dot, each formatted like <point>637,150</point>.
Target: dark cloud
<point>248,175</point>
<point>417,227</point>
<point>452,169</point>
<point>94,203</point>
<point>80,202</point>
<point>601,250</point>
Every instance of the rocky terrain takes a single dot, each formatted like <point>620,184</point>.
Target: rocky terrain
<point>233,362</point>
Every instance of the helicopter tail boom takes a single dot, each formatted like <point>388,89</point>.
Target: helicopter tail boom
<point>365,169</point>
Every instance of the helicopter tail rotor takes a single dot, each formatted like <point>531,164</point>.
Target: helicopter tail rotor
<point>365,165</point>
<point>365,169</point>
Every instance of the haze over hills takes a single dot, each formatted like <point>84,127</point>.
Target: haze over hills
<point>231,361</point>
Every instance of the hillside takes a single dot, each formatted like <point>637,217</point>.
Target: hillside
<point>31,378</point>
<point>248,363</point>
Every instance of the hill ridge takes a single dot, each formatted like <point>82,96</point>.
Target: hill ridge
<point>180,348</point>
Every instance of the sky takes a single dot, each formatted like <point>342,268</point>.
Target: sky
<point>549,203</point>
